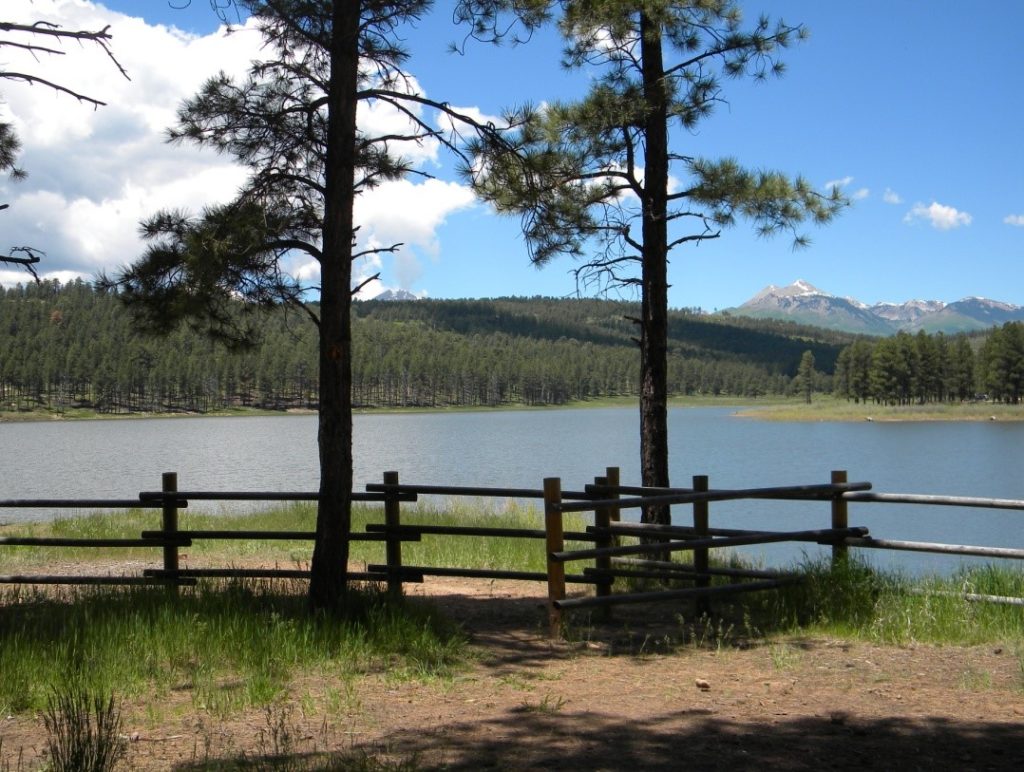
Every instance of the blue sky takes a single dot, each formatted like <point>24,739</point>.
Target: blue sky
<point>915,108</point>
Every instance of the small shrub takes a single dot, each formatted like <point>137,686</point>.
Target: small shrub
<point>83,731</point>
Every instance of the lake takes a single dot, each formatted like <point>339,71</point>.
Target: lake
<point>117,459</point>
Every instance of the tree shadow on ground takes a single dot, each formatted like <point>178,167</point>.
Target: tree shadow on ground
<point>531,738</point>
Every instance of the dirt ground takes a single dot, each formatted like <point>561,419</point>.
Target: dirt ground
<point>615,699</point>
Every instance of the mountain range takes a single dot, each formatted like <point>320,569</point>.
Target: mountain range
<point>804,303</point>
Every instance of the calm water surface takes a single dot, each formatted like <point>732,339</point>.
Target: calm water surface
<point>117,459</point>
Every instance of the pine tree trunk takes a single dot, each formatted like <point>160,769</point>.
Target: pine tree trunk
<point>329,569</point>
<point>654,304</point>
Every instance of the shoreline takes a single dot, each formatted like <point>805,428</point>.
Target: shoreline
<point>600,402</point>
<point>767,409</point>
<point>848,412</point>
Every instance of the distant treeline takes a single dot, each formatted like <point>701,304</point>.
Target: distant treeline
<point>918,369</point>
<point>64,346</point>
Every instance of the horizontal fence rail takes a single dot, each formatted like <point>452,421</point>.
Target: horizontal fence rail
<point>937,501</point>
<point>603,502</point>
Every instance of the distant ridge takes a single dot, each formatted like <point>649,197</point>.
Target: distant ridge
<point>804,303</point>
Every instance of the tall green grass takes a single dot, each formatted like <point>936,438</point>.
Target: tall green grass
<point>230,646</point>
<point>453,551</point>
<point>849,599</point>
<point>853,600</point>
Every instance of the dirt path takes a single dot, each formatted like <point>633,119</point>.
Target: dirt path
<point>619,700</point>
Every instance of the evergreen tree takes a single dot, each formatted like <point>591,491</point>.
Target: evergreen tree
<point>591,178</point>
<point>806,376</point>
<point>293,123</point>
<point>1002,363</point>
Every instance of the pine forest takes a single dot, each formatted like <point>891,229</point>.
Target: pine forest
<point>73,346</point>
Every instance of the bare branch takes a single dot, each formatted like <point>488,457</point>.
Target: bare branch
<point>378,251</point>
<point>31,257</point>
<point>101,38</point>
<point>34,79</point>
<point>358,288</point>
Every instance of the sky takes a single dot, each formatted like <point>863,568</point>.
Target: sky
<point>915,109</point>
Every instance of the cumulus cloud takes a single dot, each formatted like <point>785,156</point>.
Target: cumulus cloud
<point>891,197</point>
<point>401,212</point>
<point>938,215</point>
<point>860,194</point>
<point>1014,219</point>
<point>94,174</point>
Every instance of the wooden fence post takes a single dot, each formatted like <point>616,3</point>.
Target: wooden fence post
<point>392,542</point>
<point>603,563</point>
<point>554,542</point>
<point>840,519</point>
<point>169,485</point>
<point>611,474</point>
<point>700,555</point>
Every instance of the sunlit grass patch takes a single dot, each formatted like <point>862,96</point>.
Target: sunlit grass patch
<point>229,645</point>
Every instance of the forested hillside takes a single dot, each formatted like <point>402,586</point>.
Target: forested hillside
<point>64,346</point>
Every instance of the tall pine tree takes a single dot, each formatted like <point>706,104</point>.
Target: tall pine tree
<point>595,182</point>
<point>292,122</point>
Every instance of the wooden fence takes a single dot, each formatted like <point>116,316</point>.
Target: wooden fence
<point>608,559</point>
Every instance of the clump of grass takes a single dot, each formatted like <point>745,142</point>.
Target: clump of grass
<point>83,730</point>
<point>232,645</point>
<point>843,596</point>
<point>852,599</point>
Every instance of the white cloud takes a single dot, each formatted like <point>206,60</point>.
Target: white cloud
<point>840,183</point>
<point>891,197</point>
<point>858,195</point>
<point>94,174</point>
<point>1014,219</point>
<point>407,212</point>
<point>938,215</point>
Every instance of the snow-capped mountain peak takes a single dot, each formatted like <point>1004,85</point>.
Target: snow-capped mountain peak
<point>802,302</point>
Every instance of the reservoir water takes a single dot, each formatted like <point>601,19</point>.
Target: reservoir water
<point>117,459</point>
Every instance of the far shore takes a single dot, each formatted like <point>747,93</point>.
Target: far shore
<point>822,408</point>
<point>827,409</point>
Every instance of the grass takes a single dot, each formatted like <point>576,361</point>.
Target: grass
<point>522,554</point>
<point>84,731</point>
<point>828,409</point>
<point>855,601</point>
<point>824,407</point>
<point>232,646</point>
<point>79,414</point>
<point>229,646</point>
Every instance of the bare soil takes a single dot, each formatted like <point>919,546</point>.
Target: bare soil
<point>619,697</point>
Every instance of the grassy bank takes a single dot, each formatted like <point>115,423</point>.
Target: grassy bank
<point>772,408</point>
<point>826,409</point>
<point>78,414</point>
